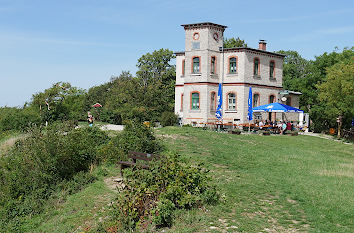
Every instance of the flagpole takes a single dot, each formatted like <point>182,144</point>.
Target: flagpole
<point>222,80</point>
<point>250,108</point>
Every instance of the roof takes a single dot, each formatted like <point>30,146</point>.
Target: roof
<point>240,49</point>
<point>204,24</point>
<point>180,53</point>
<point>294,92</point>
<point>252,49</point>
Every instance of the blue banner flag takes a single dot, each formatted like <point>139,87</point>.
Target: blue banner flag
<point>250,109</point>
<point>218,112</point>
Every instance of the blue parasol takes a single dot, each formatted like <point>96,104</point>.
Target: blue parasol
<point>276,107</point>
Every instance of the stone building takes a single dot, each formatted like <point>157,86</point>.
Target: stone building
<point>205,63</point>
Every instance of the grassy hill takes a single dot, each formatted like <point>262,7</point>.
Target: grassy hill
<point>268,184</point>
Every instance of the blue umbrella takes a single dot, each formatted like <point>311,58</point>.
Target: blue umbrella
<point>250,109</point>
<point>218,112</point>
<point>276,107</point>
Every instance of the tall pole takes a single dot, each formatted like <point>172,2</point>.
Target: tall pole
<point>222,80</point>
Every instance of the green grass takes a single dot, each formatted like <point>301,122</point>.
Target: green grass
<point>79,212</point>
<point>269,183</point>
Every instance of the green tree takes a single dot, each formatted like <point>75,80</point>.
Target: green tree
<point>156,78</point>
<point>337,91</point>
<point>60,102</point>
<point>234,42</point>
<point>144,97</point>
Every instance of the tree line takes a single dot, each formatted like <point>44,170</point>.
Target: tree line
<point>326,84</point>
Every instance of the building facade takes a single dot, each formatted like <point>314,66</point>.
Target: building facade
<point>205,63</point>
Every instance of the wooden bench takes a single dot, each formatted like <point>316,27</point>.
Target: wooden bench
<point>136,156</point>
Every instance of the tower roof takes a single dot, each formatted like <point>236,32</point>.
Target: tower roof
<point>205,24</point>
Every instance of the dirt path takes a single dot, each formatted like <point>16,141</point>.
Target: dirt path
<point>112,127</point>
<point>114,183</point>
<point>329,137</point>
<point>7,144</point>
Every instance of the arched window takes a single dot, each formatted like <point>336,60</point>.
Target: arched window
<point>213,65</point>
<point>195,100</point>
<point>271,99</point>
<point>231,100</point>
<point>183,67</point>
<point>256,67</point>
<point>271,69</point>
<point>256,100</point>
<point>232,65</point>
<point>212,101</point>
<point>196,65</point>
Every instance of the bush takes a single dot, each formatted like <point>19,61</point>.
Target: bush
<point>48,158</point>
<point>18,119</point>
<point>135,137</point>
<point>109,116</point>
<point>152,196</point>
<point>168,119</point>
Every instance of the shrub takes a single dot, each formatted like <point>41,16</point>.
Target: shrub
<point>110,116</point>
<point>18,119</point>
<point>135,137</point>
<point>152,196</point>
<point>168,119</point>
<point>52,157</point>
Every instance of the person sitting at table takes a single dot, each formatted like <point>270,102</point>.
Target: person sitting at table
<point>288,126</point>
<point>261,125</point>
<point>283,127</point>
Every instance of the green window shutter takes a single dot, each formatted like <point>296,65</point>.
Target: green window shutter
<point>232,65</point>
<point>195,100</point>
<point>196,65</point>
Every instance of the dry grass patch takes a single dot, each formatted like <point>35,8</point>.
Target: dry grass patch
<point>6,145</point>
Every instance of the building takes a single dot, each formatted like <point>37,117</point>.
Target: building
<point>205,63</point>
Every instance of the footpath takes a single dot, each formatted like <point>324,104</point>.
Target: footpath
<point>325,136</point>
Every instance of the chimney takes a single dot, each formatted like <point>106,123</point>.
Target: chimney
<point>262,45</point>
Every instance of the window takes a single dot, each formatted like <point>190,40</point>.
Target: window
<point>288,101</point>
<point>232,65</point>
<point>271,99</point>
<point>183,67</point>
<point>256,100</point>
<point>212,101</point>
<point>195,100</point>
<point>256,67</point>
<point>231,99</point>
<point>196,65</point>
<point>213,59</point>
<point>182,103</point>
<point>271,69</point>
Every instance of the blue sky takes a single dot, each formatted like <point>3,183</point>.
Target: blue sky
<point>85,42</point>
